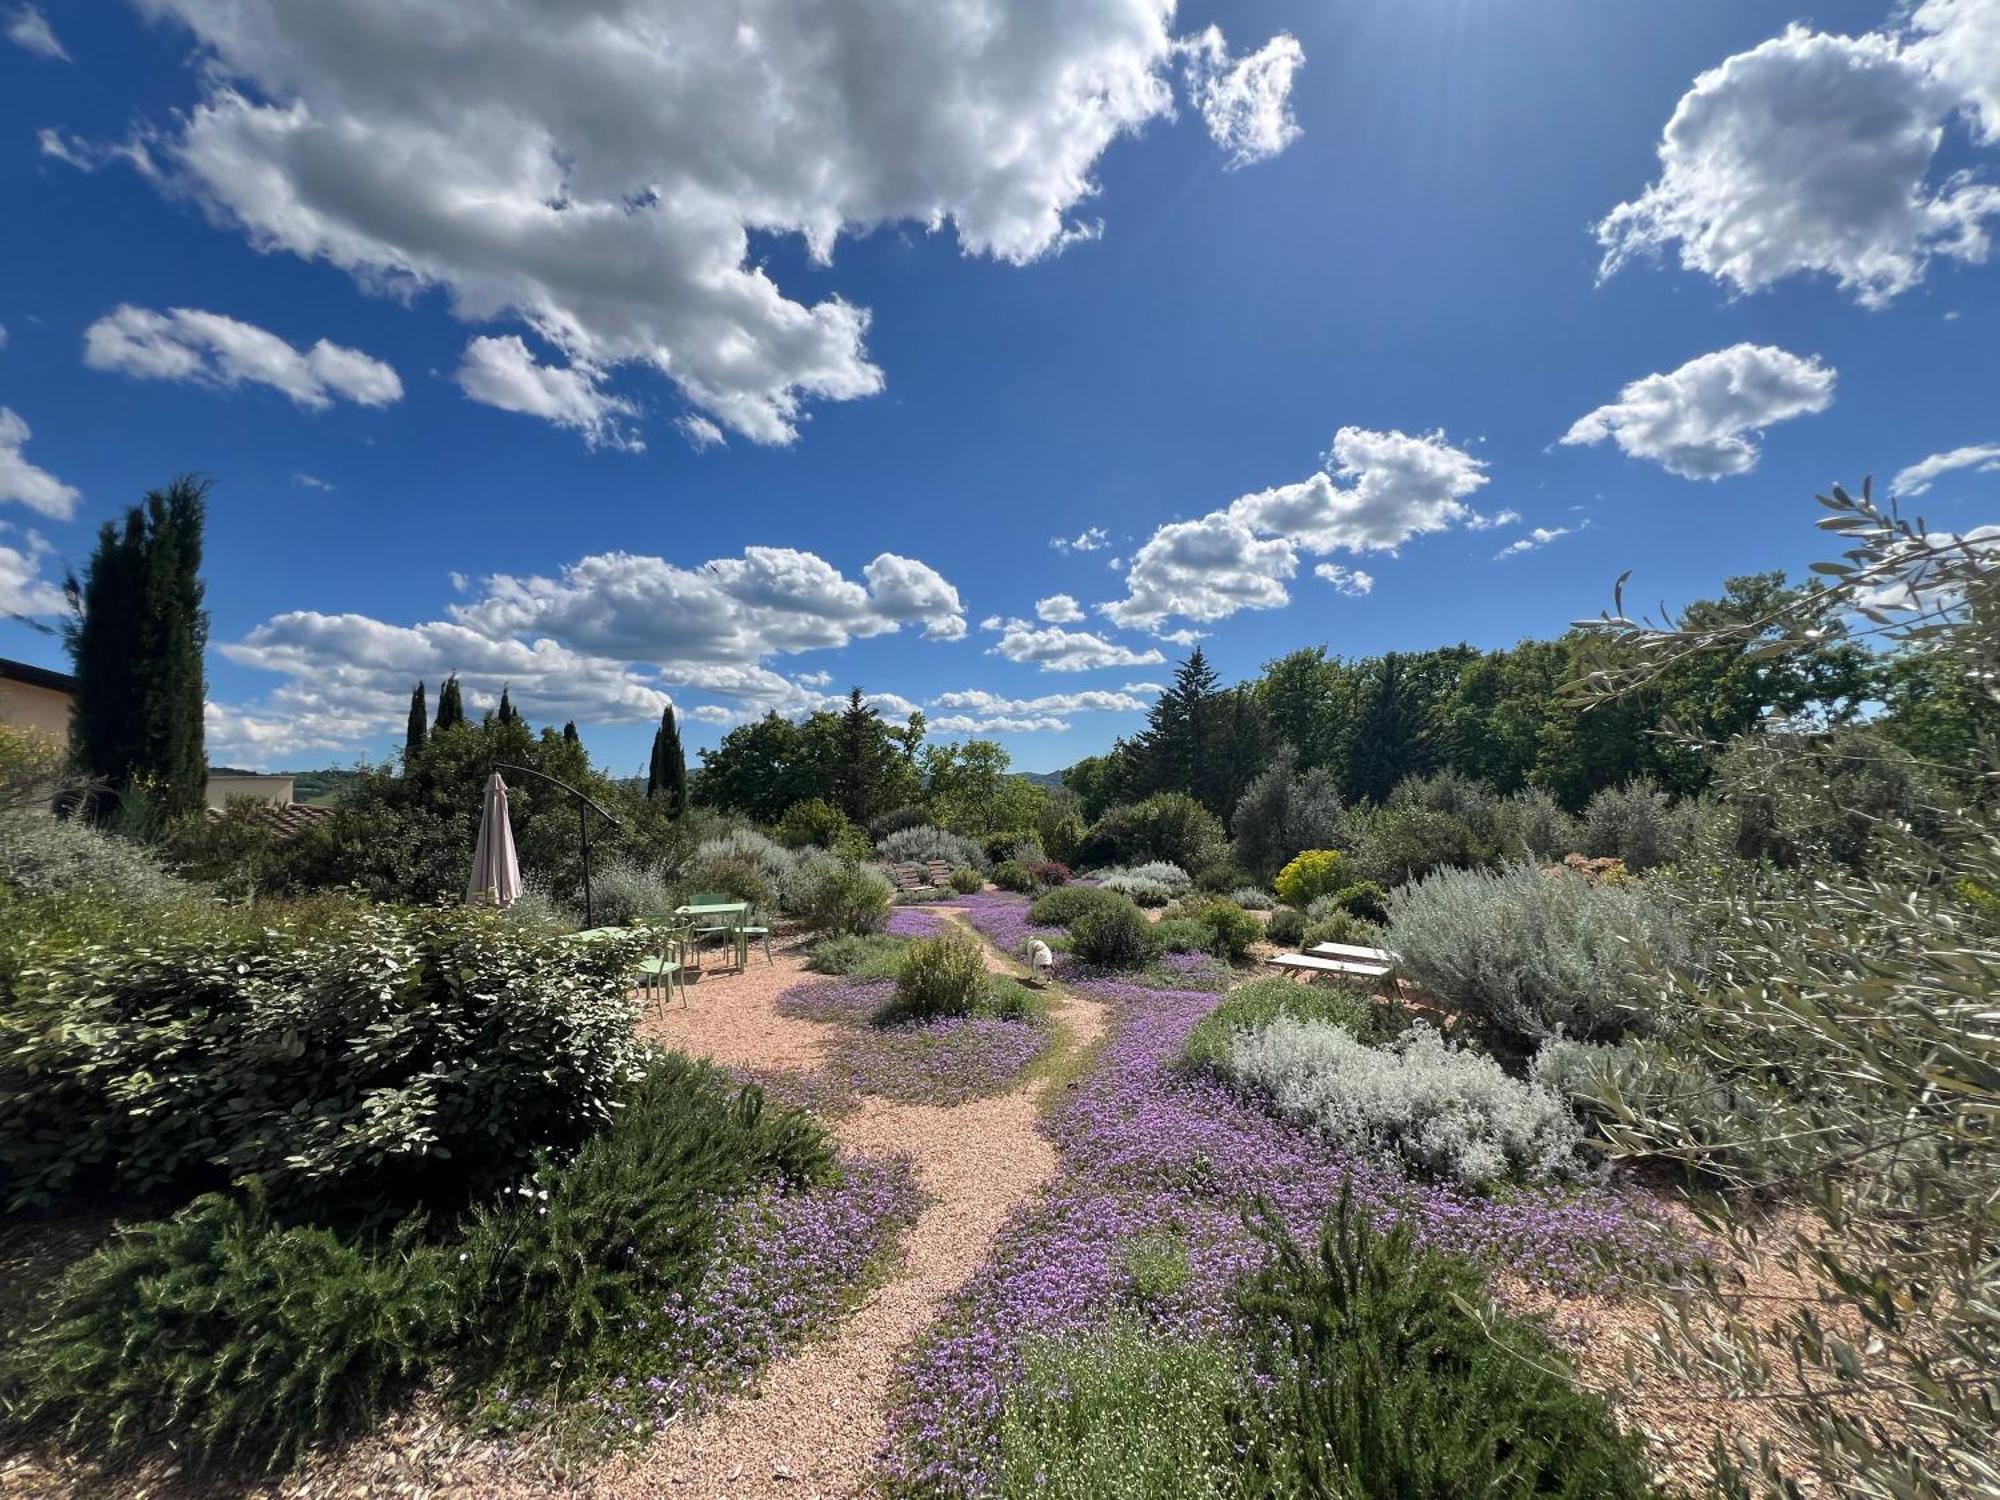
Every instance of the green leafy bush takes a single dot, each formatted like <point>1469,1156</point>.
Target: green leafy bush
<point>1257,1004</point>
<point>623,890</point>
<point>834,897</point>
<point>1537,823</point>
<point>1061,907</point>
<point>1012,875</point>
<point>1113,936</point>
<point>1329,922</point>
<point>874,955</point>
<point>1398,1380</point>
<point>1010,1000</point>
<point>1231,929</point>
<point>1168,826</point>
<point>232,1337</point>
<point>1636,823</point>
<point>923,843</point>
<point>560,1278</point>
<point>1444,1111</point>
<point>1221,877</point>
<point>372,1055</point>
<point>965,880</point>
<point>941,976</point>
<point>733,875</point>
<point>1287,927</point>
<point>1282,812</point>
<point>1181,935</point>
<point>812,824</point>
<point>1523,956</point>
<point>1404,844</point>
<point>1315,873</point>
<point>1365,899</point>
<point>895,821</point>
<point>1122,1413</point>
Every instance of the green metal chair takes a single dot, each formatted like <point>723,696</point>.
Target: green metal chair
<point>660,972</point>
<point>750,933</point>
<point>704,927</point>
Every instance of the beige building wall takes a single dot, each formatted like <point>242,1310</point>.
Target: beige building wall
<point>223,790</point>
<point>25,705</point>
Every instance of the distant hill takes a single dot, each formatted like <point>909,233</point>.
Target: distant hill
<point>1042,778</point>
<point>322,786</point>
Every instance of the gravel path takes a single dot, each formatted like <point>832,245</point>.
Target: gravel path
<point>814,1427</point>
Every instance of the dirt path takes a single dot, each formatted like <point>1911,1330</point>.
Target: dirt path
<point>816,1424</point>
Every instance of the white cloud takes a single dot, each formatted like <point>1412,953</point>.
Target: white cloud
<point>3,335</point>
<point>998,724</point>
<point>607,641</point>
<point>1059,609</point>
<point>1378,491</point>
<point>1350,581</point>
<point>20,480</point>
<point>1918,478</point>
<point>211,349</point>
<point>23,589</point>
<point>1130,699</point>
<point>597,172</point>
<point>1541,536</point>
<point>1703,420</point>
<point>701,433</point>
<point>28,28</point>
<point>307,481</point>
<point>1185,636</point>
<point>1055,649</point>
<point>1246,102</point>
<point>1814,153</point>
<point>1090,539</point>
<point>1478,522</point>
<point>503,372</point>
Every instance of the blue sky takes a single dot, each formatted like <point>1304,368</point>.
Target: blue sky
<point>1313,296</point>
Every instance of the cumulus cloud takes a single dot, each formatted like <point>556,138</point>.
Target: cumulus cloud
<point>1128,699</point>
<point>1541,536</point>
<point>1377,491</point>
<point>23,589</point>
<point>28,28</point>
<point>1703,420</point>
<point>1055,649</point>
<point>1090,539</point>
<point>1918,478</point>
<point>1815,153</point>
<point>1350,581</point>
<point>596,173</point>
<point>1246,102</point>
<point>997,724</point>
<point>22,481</point>
<point>1059,609</point>
<point>610,639</point>
<point>208,348</point>
<point>503,372</point>
<point>1478,522</point>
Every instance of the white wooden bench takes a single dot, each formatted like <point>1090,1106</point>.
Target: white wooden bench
<point>1306,963</point>
<point>1353,951</point>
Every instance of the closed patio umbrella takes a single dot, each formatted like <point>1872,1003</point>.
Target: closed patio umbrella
<point>496,873</point>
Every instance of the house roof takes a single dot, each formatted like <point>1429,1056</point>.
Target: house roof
<point>42,677</point>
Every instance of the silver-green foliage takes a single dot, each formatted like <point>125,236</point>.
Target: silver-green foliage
<point>1446,1112</point>
<point>623,890</point>
<point>45,856</point>
<point>1152,884</point>
<point>1524,956</point>
<point>922,844</point>
<point>1638,824</point>
<point>1253,898</point>
<point>833,897</point>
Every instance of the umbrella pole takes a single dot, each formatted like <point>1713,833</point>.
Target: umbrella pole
<point>583,823</point>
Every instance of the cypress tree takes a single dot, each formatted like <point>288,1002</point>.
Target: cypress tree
<point>451,704</point>
<point>136,639</point>
<point>666,775</point>
<point>413,736</point>
<point>570,734</point>
<point>507,714</point>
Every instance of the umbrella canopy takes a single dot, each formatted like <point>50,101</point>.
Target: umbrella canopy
<point>496,873</point>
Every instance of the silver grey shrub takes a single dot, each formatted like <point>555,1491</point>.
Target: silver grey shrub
<point>1152,884</point>
<point>1253,898</point>
<point>623,890</point>
<point>924,843</point>
<point>778,865</point>
<point>1444,1111</point>
<point>1539,824</point>
<point>1524,956</point>
<point>1638,824</point>
<point>43,856</point>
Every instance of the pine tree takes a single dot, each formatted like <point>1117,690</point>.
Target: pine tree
<point>136,639</point>
<point>451,704</point>
<point>1180,749</point>
<point>666,776</point>
<point>413,736</point>
<point>859,765</point>
<point>1392,737</point>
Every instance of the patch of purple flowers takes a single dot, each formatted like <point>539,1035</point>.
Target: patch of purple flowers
<point>938,1062</point>
<point>851,1002</point>
<point>785,1266</point>
<point>1002,917</point>
<point>1144,1148</point>
<point>913,922</point>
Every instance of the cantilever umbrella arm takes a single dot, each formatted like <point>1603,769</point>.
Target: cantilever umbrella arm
<point>584,808</point>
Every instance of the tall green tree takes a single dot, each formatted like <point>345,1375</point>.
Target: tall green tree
<point>451,704</point>
<point>666,775</point>
<point>136,635</point>
<point>419,725</point>
<point>570,736</point>
<point>865,749</point>
<point>507,714</point>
